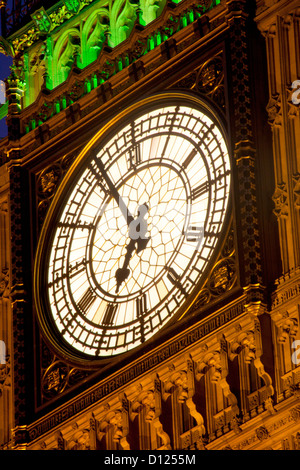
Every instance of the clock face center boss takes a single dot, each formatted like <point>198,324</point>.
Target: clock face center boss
<point>133,232</point>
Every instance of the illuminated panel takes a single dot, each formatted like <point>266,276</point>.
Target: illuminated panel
<point>138,230</point>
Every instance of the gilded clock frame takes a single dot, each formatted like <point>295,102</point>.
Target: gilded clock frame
<point>53,339</point>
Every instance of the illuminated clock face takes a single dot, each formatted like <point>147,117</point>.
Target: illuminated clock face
<point>135,234</point>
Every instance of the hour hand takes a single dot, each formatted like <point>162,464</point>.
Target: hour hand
<point>139,227</point>
<point>123,273</point>
<point>137,233</point>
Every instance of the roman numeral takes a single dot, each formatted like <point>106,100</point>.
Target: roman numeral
<point>188,160</point>
<point>134,156</point>
<point>174,279</point>
<point>172,276</point>
<point>83,226</point>
<point>141,309</point>
<point>87,300</point>
<point>109,314</point>
<point>73,270</point>
<point>141,305</point>
<point>211,234</point>
<point>76,266</point>
<point>200,190</point>
<point>170,120</point>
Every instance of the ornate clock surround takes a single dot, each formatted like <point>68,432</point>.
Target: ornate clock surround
<point>103,135</point>
<point>239,312</point>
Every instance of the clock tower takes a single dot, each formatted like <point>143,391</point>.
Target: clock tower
<point>149,226</point>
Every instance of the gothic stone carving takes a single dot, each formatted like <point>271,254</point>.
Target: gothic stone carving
<point>207,79</point>
<point>47,183</point>
<point>280,199</point>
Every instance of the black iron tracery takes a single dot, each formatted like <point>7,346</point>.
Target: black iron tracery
<point>73,313</point>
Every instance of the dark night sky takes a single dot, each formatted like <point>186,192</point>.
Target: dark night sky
<point>5,63</point>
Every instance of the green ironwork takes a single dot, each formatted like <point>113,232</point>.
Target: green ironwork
<point>75,32</point>
<point>42,20</point>
<point>3,110</point>
<point>72,5</point>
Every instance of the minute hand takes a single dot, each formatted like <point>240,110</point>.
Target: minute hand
<point>114,192</point>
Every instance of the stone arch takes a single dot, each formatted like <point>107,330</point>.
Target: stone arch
<point>151,9</point>
<point>122,15</point>
<point>94,35</point>
<point>66,48</point>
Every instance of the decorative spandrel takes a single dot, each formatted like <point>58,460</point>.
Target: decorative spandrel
<point>207,79</point>
<point>59,377</point>
<point>47,183</point>
<point>222,278</point>
<point>137,229</point>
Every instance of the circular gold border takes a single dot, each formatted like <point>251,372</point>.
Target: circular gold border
<point>115,121</point>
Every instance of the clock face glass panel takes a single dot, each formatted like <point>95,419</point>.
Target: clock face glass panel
<point>137,230</point>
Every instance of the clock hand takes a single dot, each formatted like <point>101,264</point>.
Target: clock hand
<point>137,233</point>
<point>114,192</point>
<point>123,273</point>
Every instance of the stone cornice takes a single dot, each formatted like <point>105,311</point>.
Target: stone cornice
<point>288,289</point>
<point>269,10</point>
<point>59,11</point>
<point>146,364</point>
<point>46,21</point>
<point>264,431</point>
<point>118,87</point>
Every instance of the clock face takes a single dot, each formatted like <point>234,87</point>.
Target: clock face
<point>137,229</point>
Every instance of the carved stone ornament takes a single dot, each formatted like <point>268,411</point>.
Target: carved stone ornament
<point>295,413</point>
<point>269,405</point>
<point>296,439</point>
<point>4,284</point>
<point>178,381</point>
<point>114,424</point>
<point>210,362</point>
<point>280,199</point>
<point>274,110</point>
<point>235,425</point>
<point>56,376</point>
<point>245,341</point>
<point>47,183</point>
<point>54,380</point>
<point>295,390</point>
<point>262,433</point>
<point>210,80</point>
<point>80,441</point>
<point>288,329</point>
<point>48,180</point>
<point>146,400</point>
<point>222,277</point>
<point>5,378</point>
<point>207,79</point>
<point>296,189</point>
